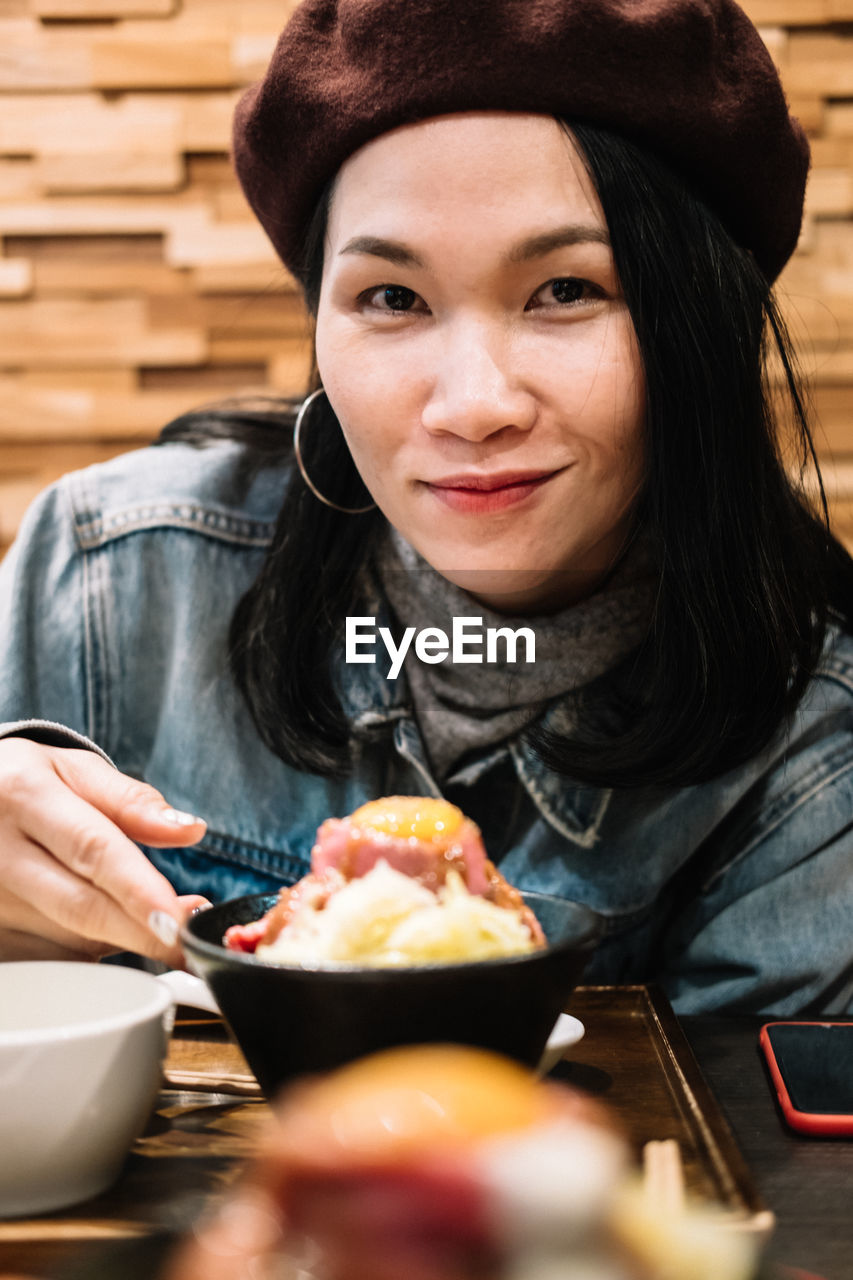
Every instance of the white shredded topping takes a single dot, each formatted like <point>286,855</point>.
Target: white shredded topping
<point>386,918</point>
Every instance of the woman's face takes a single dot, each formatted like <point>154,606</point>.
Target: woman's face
<point>474,343</point>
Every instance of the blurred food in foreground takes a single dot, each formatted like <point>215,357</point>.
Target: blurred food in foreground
<point>404,880</point>
<point>447,1163</point>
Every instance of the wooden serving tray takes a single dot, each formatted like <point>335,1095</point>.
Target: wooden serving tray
<point>633,1055</point>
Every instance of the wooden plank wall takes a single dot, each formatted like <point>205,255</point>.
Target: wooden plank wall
<point>135,284</point>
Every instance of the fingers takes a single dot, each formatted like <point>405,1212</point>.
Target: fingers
<point>53,903</point>
<point>23,920</point>
<point>18,945</point>
<point>139,810</point>
<point>69,871</point>
<point>35,936</point>
<point>189,903</point>
<point>97,881</point>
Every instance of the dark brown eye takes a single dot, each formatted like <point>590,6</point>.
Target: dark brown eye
<point>567,289</point>
<point>398,298</point>
<point>565,292</point>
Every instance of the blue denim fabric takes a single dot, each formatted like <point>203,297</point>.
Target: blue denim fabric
<point>114,610</point>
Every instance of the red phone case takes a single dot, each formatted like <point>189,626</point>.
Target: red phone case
<point>818,1125</point>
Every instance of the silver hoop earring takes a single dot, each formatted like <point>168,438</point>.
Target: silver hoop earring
<point>297,427</point>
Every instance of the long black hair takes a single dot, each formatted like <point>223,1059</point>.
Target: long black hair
<point>749,574</point>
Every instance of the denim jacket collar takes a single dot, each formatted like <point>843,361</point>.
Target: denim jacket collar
<point>370,700</point>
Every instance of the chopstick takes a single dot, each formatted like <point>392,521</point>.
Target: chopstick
<point>211,1082</point>
<point>663,1186</point>
<point>663,1175</point>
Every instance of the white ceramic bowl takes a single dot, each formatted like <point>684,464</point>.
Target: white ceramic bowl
<point>81,1054</point>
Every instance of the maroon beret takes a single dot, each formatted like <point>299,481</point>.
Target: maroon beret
<point>691,80</point>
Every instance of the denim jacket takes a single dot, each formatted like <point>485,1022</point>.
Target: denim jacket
<point>115,604</point>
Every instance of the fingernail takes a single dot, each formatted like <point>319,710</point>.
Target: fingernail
<point>177,818</point>
<point>202,906</point>
<point>164,926</point>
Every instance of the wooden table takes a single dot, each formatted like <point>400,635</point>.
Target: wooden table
<point>634,1054</point>
<point>807,1182</point>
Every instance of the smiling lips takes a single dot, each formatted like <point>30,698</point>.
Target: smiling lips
<point>485,493</point>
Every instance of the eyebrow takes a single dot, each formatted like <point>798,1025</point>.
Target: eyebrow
<point>391,250</point>
<point>534,247</point>
<point>539,246</point>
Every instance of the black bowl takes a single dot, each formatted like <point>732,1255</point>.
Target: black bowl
<point>289,1019</point>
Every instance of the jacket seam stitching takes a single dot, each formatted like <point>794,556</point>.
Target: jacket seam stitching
<point>238,852</point>
<point>99,531</point>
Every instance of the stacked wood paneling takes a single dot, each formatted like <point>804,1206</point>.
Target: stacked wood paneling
<point>135,284</point>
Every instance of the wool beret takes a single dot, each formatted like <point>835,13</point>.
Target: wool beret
<point>691,80</point>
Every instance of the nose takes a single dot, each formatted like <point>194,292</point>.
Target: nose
<point>476,391</point>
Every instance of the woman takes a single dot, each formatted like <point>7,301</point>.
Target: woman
<point>538,243</point>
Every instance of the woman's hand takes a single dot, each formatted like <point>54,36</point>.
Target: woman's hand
<point>73,885</point>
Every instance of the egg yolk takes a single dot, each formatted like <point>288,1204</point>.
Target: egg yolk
<point>419,816</point>
<point>432,1095</point>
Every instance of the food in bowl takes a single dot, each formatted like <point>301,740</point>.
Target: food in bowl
<point>452,1163</point>
<point>316,1014</point>
<point>404,880</point>
<point>293,1018</point>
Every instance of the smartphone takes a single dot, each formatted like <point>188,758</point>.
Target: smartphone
<point>812,1068</point>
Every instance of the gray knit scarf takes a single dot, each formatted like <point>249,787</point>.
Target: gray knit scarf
<point>468,707</point>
